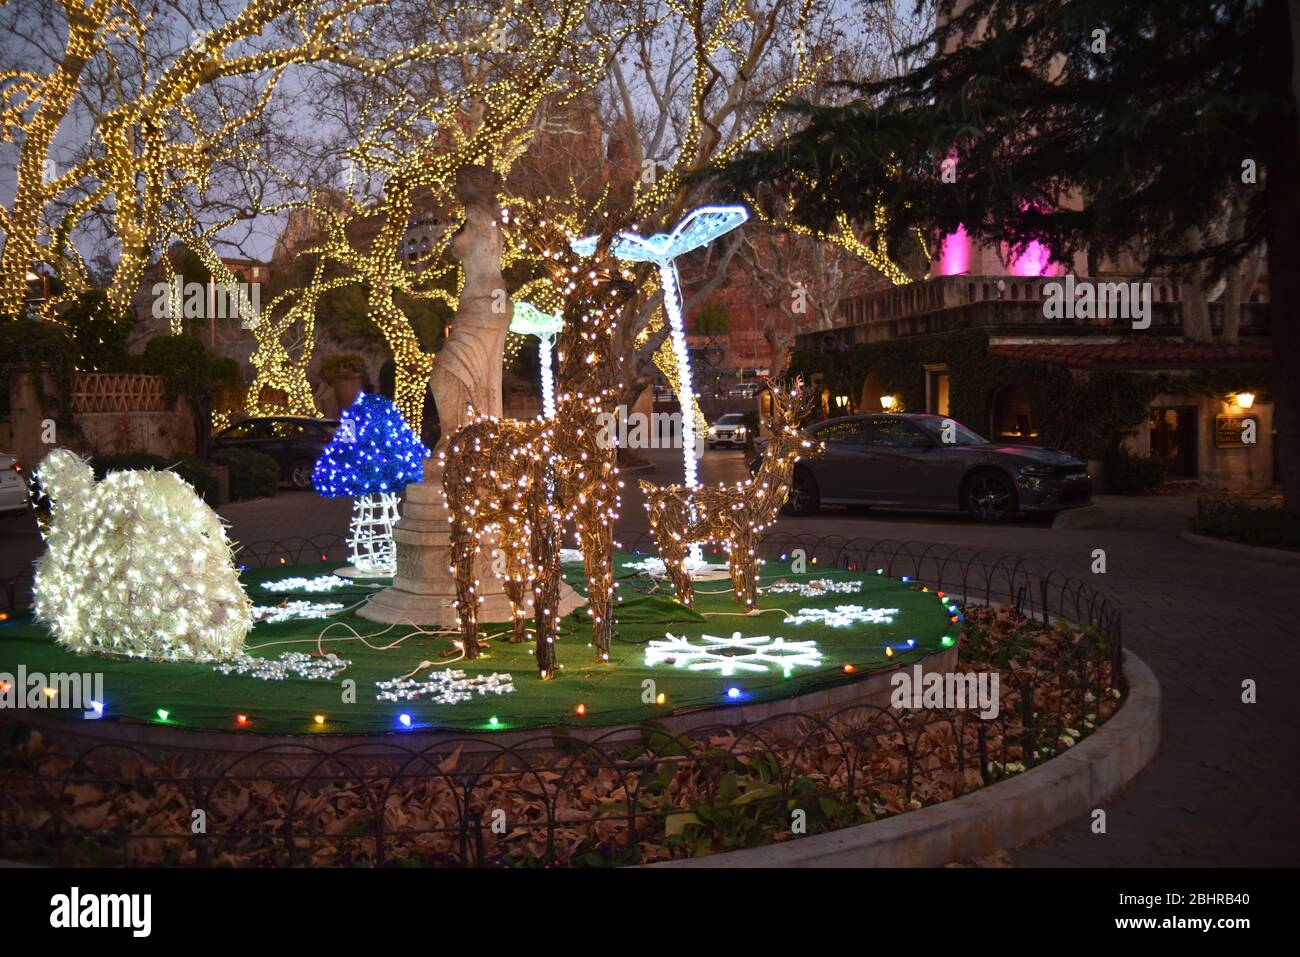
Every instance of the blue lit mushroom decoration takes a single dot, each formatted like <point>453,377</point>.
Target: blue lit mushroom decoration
<point>528,320</point>
<point>372,458</point>
<point>699,228</point>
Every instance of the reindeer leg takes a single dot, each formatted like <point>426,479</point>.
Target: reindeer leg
<point>673,552</point>
<point>518,574</point>
<point>598,544</point>
<point>544,539</point>
<point>743,564</point>
<point>462,558</point>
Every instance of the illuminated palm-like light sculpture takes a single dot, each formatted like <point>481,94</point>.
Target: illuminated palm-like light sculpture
<point>528,320</point>
<point>699,228</point>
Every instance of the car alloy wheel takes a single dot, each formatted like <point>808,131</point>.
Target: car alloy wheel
<point>301,474</point>
<point>990,497</point>
<point>803,499</point>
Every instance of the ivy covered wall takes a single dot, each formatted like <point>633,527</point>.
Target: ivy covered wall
<point>1086,414</point>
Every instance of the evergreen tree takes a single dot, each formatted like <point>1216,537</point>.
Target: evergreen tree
<point>1168,119</point>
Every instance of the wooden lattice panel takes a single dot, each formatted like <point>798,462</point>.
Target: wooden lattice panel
<point>117,392</point>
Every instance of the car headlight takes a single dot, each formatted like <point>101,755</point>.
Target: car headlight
<point>740,431</point>
<point>713,430</point>
<point>1036,470</point>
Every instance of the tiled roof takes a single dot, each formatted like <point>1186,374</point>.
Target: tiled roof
<point>1155,354</point>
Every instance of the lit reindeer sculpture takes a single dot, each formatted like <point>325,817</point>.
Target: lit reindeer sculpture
<point>733,516</point>
<point>524,480</point>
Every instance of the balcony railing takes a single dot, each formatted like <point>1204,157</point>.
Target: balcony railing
<point>117,392</point>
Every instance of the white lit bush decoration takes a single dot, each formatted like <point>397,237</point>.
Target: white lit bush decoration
<point>136,565</point>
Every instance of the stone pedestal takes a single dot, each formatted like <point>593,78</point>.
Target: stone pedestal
<point>423,590</point>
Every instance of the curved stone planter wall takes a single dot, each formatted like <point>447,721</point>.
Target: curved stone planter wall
<point>1007,814</point>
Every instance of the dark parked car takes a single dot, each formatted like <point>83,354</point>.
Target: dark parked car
<point>933,462</point>
<point>296,442</point>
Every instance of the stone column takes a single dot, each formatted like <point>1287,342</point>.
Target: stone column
<point>466,372</point>
<point>424,591</point>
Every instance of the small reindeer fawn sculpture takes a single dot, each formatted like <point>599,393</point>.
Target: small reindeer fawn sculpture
<point>733,516</point>
<point>526,479</point>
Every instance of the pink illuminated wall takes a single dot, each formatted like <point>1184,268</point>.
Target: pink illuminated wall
<point>1034,261</point>
<point>954,254</point>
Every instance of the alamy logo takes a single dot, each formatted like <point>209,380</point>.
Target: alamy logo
<point>212,300</point>
<point>637,430</point>
<point>84,691</point>
<point>1088,299</point>
<point>75,909</point>
<point>975,690</point>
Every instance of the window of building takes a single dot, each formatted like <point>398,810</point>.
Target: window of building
<point>1013,416</point>
<point>937,384</point>
<point>1173,439</point>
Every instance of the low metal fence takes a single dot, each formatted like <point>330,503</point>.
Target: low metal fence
<point>620,796</point>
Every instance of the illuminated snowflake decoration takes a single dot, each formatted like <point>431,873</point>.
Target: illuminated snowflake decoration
<point>841,616</point>
<point>290,664</point>
<point>444,687</point>
<point>295,611</point>
<point>321,583</point>
<point>655,568</point>
<point>728,655</point>
<point>812,589</point>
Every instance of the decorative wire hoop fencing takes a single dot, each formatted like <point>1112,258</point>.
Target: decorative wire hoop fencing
<point>624,795</point>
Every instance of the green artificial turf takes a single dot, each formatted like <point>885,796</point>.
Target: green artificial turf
<point>195,696</point>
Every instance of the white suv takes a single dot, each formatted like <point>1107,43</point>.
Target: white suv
<point>13,484</point>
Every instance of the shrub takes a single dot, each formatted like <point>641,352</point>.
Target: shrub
<point>186,466</point>
<point>1129,474</point>
<point>252,474</point>
<point>1239,520</point>
<point>189,369</point>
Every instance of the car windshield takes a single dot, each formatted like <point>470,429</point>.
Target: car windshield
<point>938,429</point>
<point>731,419</point>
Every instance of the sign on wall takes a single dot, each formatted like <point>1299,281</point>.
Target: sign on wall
<point>1235,431</point>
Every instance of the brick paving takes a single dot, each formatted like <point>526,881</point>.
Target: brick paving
<point>1225,783</point>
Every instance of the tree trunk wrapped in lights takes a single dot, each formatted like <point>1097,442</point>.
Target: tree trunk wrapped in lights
<point>499,473</point>
<point>372,457</point>
<point>733,516</point>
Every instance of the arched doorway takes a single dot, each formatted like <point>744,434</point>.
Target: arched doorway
<point>1013,418</point>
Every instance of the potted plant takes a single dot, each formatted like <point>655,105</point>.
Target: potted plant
<point>344,373</point>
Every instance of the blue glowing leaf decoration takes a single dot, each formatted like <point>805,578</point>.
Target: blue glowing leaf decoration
<point>373,451</point>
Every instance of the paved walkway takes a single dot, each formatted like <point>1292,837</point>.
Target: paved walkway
<point>1224,787</point>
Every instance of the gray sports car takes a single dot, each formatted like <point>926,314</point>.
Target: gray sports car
<point>933,462</point>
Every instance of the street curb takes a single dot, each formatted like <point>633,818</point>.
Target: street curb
<point>1273,556</point>
<point>1004,815</point>
<point>1089,516</point>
